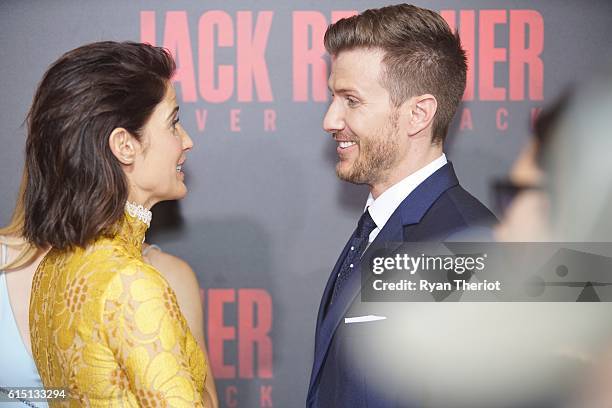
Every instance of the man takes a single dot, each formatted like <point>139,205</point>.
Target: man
<point>398,74</point>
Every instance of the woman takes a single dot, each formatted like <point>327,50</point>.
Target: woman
<point>18,262</point>
<point>104,145</point>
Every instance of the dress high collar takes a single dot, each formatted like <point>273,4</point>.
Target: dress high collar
<point>139,211</point>
<point>131,230</point>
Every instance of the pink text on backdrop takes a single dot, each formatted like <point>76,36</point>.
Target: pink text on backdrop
<point>238,322</point>
<point>248,33</point>
<point>216,29</point>
<point>247,79</point>
<point>252,328</point>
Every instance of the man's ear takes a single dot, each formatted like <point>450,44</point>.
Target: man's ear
<point>421,110</point>
<point>123,145</point>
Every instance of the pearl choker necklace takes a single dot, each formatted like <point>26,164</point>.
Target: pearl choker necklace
<point>138,211</point>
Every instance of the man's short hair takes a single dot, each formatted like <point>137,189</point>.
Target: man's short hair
<point>422,55</point>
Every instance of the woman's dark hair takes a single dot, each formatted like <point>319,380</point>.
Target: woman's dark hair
<point>76,190</point>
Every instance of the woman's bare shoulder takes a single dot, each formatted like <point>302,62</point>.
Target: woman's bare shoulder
<point>177,272</point>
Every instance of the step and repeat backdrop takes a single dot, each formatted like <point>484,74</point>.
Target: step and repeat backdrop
<point>266,217</point>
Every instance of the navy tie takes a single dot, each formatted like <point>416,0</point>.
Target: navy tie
<point>358,243</point>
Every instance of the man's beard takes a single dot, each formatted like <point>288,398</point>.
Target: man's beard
<point>378,154</point>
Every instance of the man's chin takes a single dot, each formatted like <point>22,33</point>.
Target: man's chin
<point>346,172</point>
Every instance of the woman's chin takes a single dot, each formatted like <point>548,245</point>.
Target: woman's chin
<point>178,194</point>
<point>181,193</point>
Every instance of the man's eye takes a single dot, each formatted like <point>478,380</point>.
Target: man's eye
<point>352,101</point>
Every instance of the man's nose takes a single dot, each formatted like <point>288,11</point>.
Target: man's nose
<point>334,118</point>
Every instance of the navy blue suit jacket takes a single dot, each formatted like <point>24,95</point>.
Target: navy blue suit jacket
<point>436,210</point>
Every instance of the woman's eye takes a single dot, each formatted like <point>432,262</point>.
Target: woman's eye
<point>174,123</point>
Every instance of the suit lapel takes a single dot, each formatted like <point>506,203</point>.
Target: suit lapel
<point>410,211</point>
<point>329,287</point>
<point>328,322</point>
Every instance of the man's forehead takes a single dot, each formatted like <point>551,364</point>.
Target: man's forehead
<point>355,69</point>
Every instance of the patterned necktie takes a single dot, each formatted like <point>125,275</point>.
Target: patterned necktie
<point>358,243</point>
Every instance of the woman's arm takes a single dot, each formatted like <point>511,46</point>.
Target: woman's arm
<point>183,281</point>
<point>150,339</point>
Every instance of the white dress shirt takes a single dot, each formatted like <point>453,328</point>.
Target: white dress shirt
<point>383,207</point>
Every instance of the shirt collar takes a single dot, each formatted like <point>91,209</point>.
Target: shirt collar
<point>383,207</point>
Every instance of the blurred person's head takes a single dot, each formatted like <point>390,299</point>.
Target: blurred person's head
<point>398,74</point>
<point>522,200</point>
<point>579,167</point>
<point>103,129</point>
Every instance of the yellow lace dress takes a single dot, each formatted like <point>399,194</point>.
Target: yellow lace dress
<point>107,327</point>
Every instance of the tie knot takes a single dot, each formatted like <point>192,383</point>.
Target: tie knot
<point>365,225</point>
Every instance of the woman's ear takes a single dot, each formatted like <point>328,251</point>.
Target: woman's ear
<point>123,145</point>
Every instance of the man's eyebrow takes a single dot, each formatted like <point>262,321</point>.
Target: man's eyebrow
<point>344,90</point>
